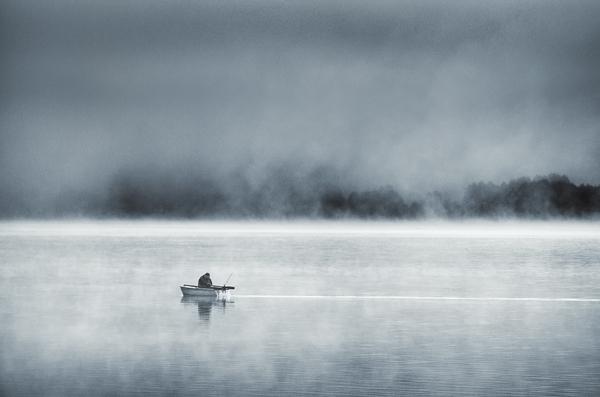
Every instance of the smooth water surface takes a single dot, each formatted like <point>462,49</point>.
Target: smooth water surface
<point>94,308</point>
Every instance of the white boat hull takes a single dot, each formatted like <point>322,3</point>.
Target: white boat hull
<point>196,291</point>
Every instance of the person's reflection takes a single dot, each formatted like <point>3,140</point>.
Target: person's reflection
<point>204,304</point>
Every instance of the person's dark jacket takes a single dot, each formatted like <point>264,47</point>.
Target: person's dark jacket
<point>205,281</point>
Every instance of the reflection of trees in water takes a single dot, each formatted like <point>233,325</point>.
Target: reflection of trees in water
<point>204,305</point>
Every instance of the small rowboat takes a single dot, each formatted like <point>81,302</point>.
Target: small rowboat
<point>192,290</point>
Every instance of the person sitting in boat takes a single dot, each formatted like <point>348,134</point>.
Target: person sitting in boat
<point>205,281</point>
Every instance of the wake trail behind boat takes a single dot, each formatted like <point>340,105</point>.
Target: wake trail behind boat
<point>424,298</point>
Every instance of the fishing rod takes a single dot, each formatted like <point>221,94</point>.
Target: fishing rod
<point>227,280</point>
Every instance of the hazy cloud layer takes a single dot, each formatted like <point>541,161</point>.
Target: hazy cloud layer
<point>415,95</point>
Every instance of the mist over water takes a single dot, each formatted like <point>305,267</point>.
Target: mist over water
<point>94,308</point>
<point>209,102</point>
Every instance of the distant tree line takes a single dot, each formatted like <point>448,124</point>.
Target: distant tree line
<point>542,197</point>
<point>554,195</point>
<point>381,203</point>
<point>282,195</point>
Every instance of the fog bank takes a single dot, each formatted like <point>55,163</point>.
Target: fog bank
<point>253,109</point>
<point>315,195</point>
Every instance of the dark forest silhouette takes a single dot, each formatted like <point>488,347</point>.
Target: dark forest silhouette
<point>554,195</point>
<point>542,197</point>
<point>156,195</point>
<point>551,196</point>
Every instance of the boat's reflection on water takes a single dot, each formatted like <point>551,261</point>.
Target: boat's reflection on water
<point>205,304</point>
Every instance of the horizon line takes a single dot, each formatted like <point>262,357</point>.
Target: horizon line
<point>424,298</point>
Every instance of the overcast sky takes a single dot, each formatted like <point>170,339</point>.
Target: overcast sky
<point>418,95</point>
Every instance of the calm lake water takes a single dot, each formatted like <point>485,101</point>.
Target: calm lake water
<point>94,308</point>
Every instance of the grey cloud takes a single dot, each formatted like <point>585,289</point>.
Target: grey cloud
<point>416,95</point>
